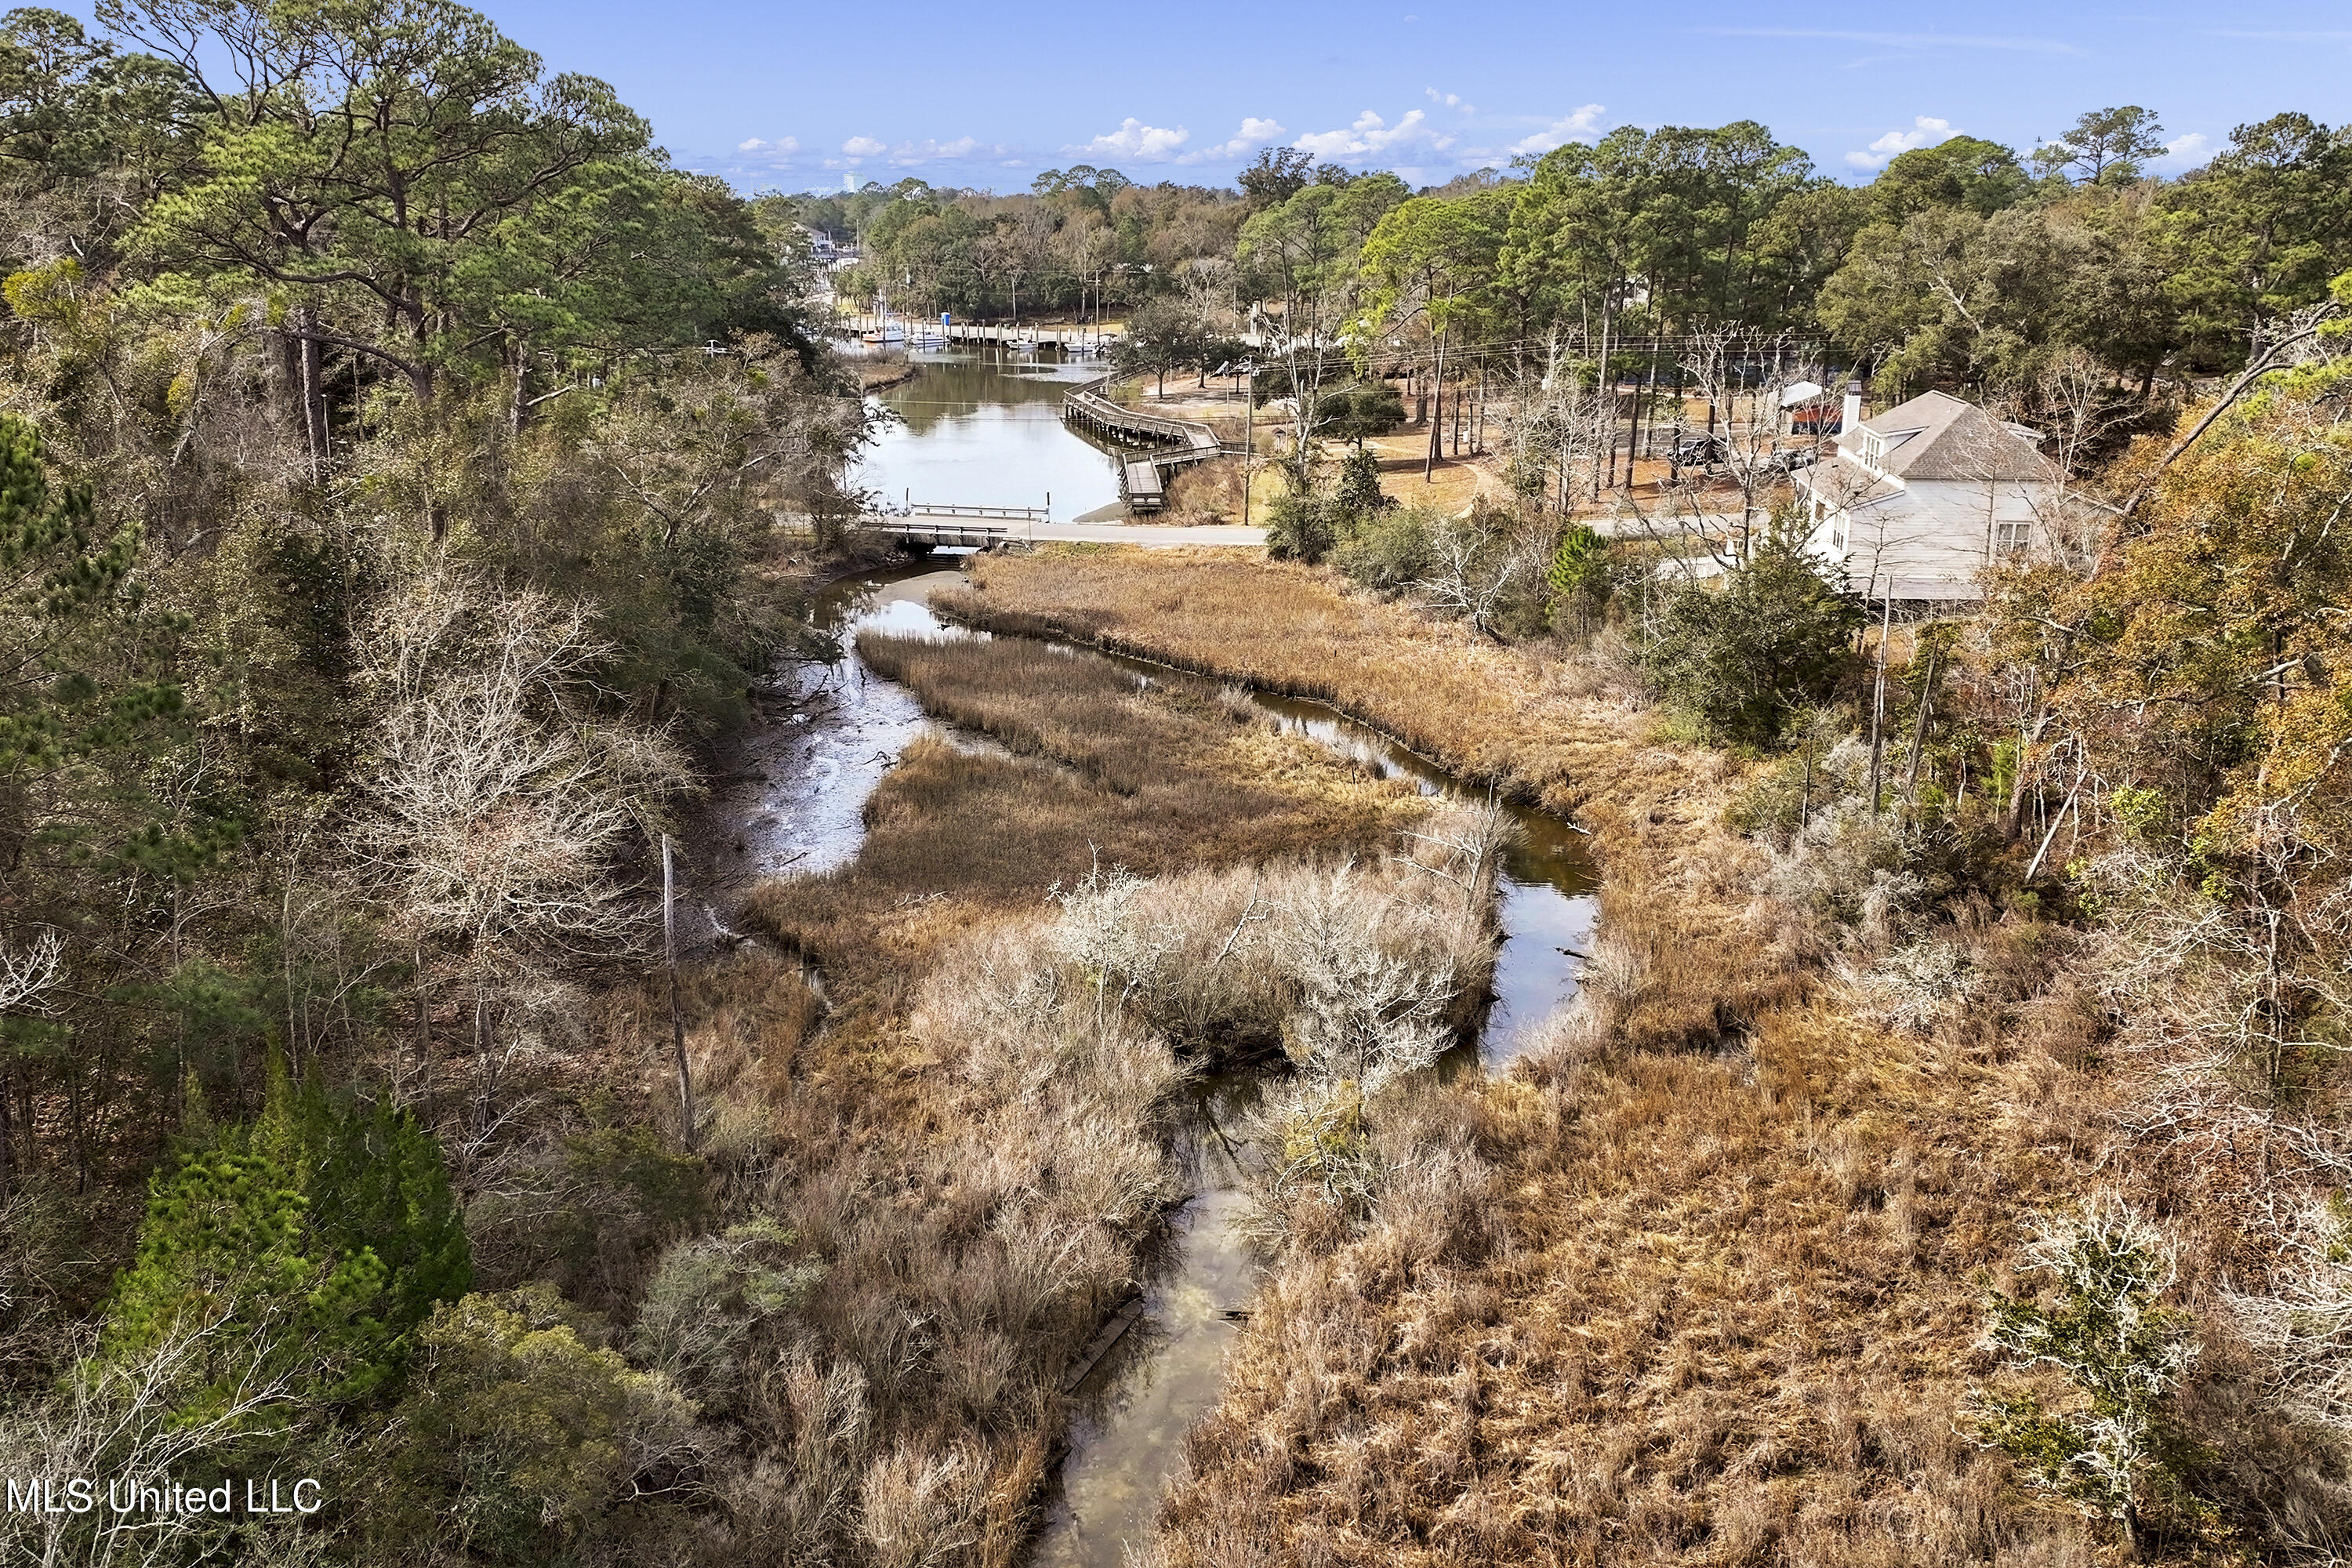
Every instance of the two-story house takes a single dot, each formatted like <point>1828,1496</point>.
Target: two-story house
<point>1919,500</point>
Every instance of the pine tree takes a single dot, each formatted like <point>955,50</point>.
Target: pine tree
<point>310,1245</point>
<point>1359,496</point>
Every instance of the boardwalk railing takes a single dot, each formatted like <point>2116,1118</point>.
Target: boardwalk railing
<point>1142,479</point>
<point>1087,405</point>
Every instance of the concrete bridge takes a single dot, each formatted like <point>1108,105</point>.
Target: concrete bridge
<point>933,525</point>
<point>919,331</point>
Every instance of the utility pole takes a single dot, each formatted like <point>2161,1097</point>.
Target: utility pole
<point>1878,696</point>
<point>677,1018</point>
<point>1249,432</point>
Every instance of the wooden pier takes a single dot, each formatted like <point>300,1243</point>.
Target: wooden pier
<point>915,332</point>
<point>1142,479</point>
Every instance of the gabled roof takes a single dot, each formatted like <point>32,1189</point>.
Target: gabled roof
<point>1845,484</point>
<point>1939,436</point>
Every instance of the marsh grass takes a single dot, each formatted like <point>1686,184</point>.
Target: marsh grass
<point>1551,732</point>
<point>950,1072</point>
<point>1698,1282</point>
<point>1105,771</point>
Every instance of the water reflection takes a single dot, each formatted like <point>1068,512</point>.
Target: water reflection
<point>1165,1375</point>
<point>833,732</point>
<point>976,427</point>
<point>829,733</point>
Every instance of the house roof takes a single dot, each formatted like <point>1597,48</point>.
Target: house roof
<point>1939,436</point>
<point>1846,484</point>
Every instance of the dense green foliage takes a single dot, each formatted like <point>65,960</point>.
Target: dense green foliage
<point>411,329</point>
<point>1746,660</point>
<point>1958,262</point>
<point>520,1433</point>
<point>306,1244</point>
<point>390,506</point>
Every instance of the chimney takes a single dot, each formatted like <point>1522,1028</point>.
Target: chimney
<point>1852,407</point>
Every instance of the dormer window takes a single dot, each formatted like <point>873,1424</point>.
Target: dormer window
<point>1874,447</point>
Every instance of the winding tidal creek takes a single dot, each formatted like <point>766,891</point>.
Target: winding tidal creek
<point>989,428</point>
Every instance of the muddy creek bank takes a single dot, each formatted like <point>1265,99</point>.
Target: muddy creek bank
<point>975,428</point>
<point>832,732</point>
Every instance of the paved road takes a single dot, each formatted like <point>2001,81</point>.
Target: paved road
<point>1158,537</point>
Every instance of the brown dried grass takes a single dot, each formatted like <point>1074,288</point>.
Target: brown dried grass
<point>979,1190</point>
<point>1711,1299</point>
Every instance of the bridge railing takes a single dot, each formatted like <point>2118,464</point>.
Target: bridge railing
<point>980,521</point>
<point>913,510</point>
<point>943,527</point>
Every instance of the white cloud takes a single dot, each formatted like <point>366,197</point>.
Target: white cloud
<point>1582,126</point>
<point>782,146</point>
<point>1137,142</point>
<point>1255,134</point>
<point>929,152</point>
<point>1371,135</point>
<point>2186,150</point>
<point>864,147</point>
<point>1926,131</point>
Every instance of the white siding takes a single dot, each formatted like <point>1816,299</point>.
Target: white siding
<point>1932,540</point>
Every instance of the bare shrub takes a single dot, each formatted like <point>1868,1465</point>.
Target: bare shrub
<point>1378,965</point>
<point>1913,986</point>
<point>498,797</point>
<point>711,1298</point>
<point>2301,1327</point>
<point>2106,1332</point>
<point>118,1418</point>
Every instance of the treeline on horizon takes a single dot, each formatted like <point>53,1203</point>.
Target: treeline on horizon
<point>1962,264</point>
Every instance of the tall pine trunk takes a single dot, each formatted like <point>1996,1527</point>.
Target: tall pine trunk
<point>1437,413</point>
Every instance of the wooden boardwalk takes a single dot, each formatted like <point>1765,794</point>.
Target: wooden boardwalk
<point>1143,480</point>
<point>915,332</point>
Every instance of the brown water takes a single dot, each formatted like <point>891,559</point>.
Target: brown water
<point>830,734</point>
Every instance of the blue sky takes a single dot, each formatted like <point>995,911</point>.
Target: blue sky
<point>795,96</point>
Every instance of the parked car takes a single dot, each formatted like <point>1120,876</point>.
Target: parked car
<point>1788,459</point>
<point>1699,452</point>
<point>1817,419</point>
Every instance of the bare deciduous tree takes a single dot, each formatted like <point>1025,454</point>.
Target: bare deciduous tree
<point>127,1420</point>
<point>1472,568</point>
<point>498,797</point>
